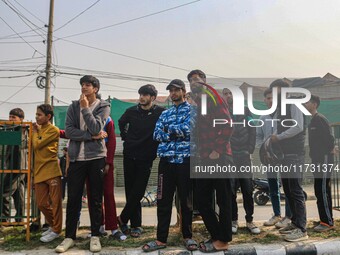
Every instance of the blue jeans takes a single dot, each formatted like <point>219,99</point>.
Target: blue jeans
<point>274,190</point>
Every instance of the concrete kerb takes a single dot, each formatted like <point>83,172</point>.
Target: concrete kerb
<point>326,247</point>
<point>329,247</point>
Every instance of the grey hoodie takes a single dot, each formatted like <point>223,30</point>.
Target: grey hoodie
<point>95,122</point>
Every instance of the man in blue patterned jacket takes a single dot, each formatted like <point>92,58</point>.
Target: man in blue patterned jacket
<point>173,132</point>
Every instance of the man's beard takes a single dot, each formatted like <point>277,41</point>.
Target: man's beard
<point>176,99</point>
<point>145,103</point>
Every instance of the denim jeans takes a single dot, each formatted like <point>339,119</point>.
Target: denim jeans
<point>274,190</point>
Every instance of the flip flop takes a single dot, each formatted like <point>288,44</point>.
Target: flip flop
<point>208,247</point>
<point>152,246</point>
<point>117,236</point>
<point>190,245</point>
<point>136,232</point>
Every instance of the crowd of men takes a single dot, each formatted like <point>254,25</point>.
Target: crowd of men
<point>176,135</point>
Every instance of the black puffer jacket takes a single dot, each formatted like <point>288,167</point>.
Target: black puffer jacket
<point>136,129</point>
<point>244,137</point>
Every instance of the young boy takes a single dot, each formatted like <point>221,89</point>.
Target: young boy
<point>16,158</point>
<point>85,120</point>
<point>47,174</point>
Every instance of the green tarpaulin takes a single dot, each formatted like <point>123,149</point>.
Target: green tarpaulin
<point>60,116</point>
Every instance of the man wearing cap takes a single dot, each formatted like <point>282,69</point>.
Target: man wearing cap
<point>291,138</point>
<point>173,132</point>
<point>84,124</point>
<point>212,147</point>
<point>137,125</point>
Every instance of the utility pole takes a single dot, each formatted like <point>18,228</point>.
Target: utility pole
<point>52,104</point>
<point>49,55</point>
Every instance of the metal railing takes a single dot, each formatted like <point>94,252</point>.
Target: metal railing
<point>336,170</point>
<point>15,175</point>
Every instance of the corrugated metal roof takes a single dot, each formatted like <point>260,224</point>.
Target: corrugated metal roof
<point>308,82</point>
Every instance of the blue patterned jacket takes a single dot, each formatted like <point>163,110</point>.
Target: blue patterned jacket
<point>173,132</point>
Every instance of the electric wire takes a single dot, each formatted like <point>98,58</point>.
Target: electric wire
<point>131,20</point>
<point>30,12</point>
<point>21,37</point>
<point>23,18</point>
<point>18,91</point>
<point>82,12</point>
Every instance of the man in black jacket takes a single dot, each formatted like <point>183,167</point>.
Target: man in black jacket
<point>243,145</point>
<point>321,151</point>
<point>137,125</point>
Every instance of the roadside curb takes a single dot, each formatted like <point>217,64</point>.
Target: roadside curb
<point>329,247</point>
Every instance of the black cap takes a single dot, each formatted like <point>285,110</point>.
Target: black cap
<point>148,89</point>
<point>176,83</point>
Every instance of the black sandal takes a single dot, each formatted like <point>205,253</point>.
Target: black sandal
<point>190,245</point>
<point>136,232</point>
<point>152,246</point>
<point>117,236</point>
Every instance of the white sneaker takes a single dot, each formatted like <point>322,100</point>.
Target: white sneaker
<point>253,228</point>
<point>95,245</point>
<point>49,230</point>
<point>65,245</point>
<point>283,223</point>
<point>49,237</point>
<point>234,226</point>
<point>272,221</point>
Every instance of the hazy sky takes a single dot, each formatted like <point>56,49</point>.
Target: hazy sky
<point>223,38</point>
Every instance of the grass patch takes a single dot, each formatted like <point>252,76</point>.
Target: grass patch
<point>13,238</point>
